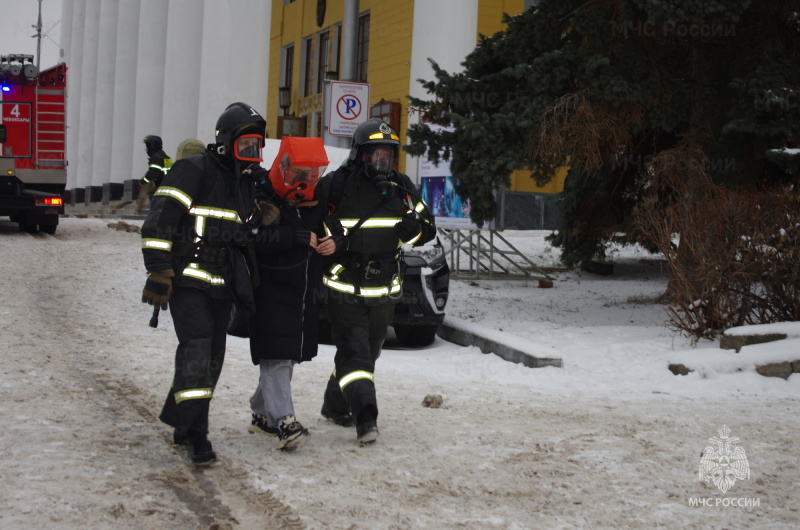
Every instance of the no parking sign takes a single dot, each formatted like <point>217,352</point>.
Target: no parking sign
<point>348,108</point>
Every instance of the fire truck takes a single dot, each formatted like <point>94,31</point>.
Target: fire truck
<point>33,127</point>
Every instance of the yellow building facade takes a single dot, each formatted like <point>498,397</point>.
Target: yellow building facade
<point>395,40</point>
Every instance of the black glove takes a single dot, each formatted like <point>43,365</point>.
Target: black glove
<point>269,213</point>
<point>158,288</point>
<point>408,227</point>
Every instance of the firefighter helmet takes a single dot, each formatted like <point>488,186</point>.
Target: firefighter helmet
<point>374,131</point>
<point>153,143</point>
<point>240,119</point>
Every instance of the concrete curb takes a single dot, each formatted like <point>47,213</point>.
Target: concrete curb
<point>463,337</point>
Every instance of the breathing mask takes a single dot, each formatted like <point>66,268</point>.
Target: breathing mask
<point>379,162</point>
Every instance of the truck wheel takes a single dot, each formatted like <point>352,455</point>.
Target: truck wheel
<point>26,227</point>
<point>238,326</point>
<point>48,229</point>
<point>415,336</point>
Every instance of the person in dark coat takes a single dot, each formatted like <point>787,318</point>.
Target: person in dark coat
<point>289,254</point>
<point>158,164</point>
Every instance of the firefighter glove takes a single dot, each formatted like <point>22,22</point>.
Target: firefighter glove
<point>158,288</point>
<point>269,213</point>
<point>408,228</point>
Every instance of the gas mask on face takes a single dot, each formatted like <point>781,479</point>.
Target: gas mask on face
<point>298,181</point>
<point>378,163</point>
<point>297,168</point>
<point>248,147</point>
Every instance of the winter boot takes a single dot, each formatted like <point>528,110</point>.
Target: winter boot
<point>200,452</point>
<point>345,420</point>
<point>259,424</point>
<point>291,434</point>
<point>367,432</point>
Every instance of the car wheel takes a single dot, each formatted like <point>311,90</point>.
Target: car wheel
<point>238,326</point>
<point>415,336</point>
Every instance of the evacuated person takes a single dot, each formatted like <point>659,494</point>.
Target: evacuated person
<point>285,327</point>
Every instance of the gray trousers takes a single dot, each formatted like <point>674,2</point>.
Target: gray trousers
<point>273,397</point>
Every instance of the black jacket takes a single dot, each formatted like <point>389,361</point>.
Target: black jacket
<point>286,322</point>
<point>158,165</point>
<point>196,227</point>
<point>370,268</point>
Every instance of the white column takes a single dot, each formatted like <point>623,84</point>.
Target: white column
<point>88,93</point>
<point>446,31</point>
<point>182,73</point>
<point>65,37</point>
<point>233,68</point>
<point>249,71</point>
<point>215,53</point>
<point>74,63</point>
<point>104,101</point>
<point>149,77</point>
<point>125,93</point>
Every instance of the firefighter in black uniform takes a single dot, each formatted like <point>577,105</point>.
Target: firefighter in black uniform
<point>380,210</point>
<point>158,163</point>
<point>195,242</point>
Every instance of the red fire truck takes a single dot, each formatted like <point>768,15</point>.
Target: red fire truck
<point>33,127</point>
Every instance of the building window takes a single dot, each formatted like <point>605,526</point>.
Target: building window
<point>388,111</point>
<point>322,62</point>
<point>288,67</point>
<point>308,71</point>
<point>362,49</point>
<point>335,63</point>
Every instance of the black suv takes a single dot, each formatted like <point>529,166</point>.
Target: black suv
<point>418,312</point>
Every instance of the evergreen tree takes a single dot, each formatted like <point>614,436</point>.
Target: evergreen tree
<point>705,88</point>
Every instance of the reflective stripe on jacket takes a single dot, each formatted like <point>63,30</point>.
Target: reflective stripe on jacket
<point>370,268</point>
<point>193,215</point>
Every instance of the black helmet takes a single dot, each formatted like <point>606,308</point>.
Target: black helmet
<point>153,143</point>
<point>238,120</point>
<point>374,131</point>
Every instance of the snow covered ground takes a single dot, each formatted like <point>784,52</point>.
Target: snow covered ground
<point>612,439</point>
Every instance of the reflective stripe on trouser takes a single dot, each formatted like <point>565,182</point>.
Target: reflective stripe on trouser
<point>358,331</point>
<point>201,324</point>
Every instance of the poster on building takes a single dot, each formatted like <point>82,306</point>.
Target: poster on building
<point>437,189</point>
<point>348,108</point>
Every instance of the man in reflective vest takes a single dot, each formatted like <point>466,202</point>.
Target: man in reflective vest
<point>196,241</point>
<point>158,163</point>
<point>380,210</point>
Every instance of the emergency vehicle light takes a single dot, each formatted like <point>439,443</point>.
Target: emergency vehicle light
<point>50,201</point>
